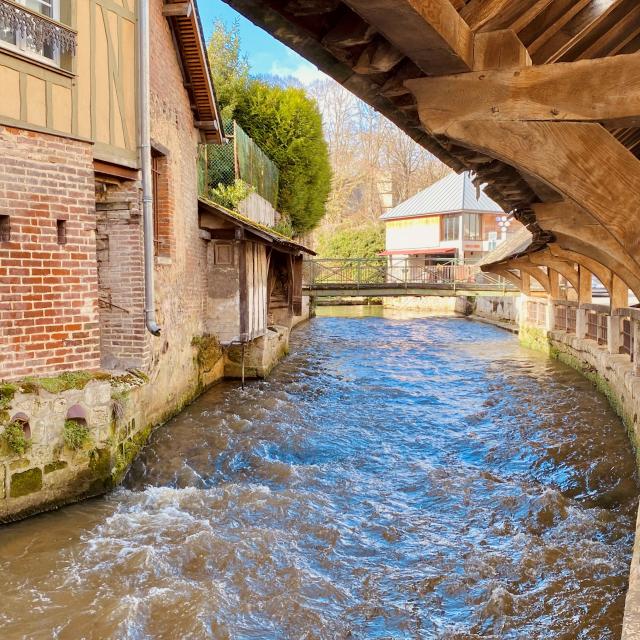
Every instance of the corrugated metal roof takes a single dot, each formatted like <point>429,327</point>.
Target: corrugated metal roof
<point>455,192</point>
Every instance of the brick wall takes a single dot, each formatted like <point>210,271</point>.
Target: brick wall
<point>181,283</point>
<point>48,291</point>
<point>124,343</point>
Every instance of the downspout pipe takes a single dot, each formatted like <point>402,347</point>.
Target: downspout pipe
<point>145,165</point>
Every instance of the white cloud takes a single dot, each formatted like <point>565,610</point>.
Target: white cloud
<point>304,71</point>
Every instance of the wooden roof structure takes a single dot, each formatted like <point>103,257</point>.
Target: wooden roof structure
<point>209,210</point>
<point>190,44</point>
<point>538,98</point>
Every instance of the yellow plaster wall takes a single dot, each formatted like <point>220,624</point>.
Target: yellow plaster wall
<point>96,98</point>
<point>414,233</point>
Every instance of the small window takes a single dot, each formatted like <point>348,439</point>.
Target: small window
<point>5,229</point>
<point>223,253</point>
<point>61,226</point>
<point>162,222</point>
<point>472,226</point>
<point>450,227</point>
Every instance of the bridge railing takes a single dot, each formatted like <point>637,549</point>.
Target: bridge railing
<point>379,271</point>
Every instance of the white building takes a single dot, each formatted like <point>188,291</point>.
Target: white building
<point>451,220</point>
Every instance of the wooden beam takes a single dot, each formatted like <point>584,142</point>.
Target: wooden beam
<point>592,266</point>
<point>509,276</point>
<point>490,14</point>
<point>114,170</point>
<point>554,93</point>
<point>178,10</point>
<point>582,162</point>
<point>575,230</point>
<point>524,266</point>
<point>211,125</point>
<point>565,269</point>
<point>499,50</point>
<point>378,57</point>
<point>429,32</point>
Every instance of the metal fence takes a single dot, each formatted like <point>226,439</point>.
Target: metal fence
<point>378,271</point>
<point>241,159</point>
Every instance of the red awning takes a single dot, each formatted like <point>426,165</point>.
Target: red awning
<point>419,252</point>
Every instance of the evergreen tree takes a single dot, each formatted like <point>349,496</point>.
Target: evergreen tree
<point>287,125</point>
<point>229,68</point>
<point>284,121</point>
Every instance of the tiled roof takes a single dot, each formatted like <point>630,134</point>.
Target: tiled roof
<point>455,192</point>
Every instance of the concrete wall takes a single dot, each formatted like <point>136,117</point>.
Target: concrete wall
<point>445,304</point>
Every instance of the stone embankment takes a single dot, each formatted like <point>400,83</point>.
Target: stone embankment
<point>74,436</point>
<point>605,348</point>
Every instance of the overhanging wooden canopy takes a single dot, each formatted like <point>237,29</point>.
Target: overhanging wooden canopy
<point>539,98</point>
<point>191,47</point>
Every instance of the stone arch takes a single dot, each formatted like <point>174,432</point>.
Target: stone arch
<point>23,420</point>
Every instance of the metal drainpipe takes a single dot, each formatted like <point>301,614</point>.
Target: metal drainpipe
<point>145,165</point>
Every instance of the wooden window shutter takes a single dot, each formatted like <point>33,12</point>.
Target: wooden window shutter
<point>297,286</point>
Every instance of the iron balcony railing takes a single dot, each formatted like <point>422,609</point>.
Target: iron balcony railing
<point>38,28</point>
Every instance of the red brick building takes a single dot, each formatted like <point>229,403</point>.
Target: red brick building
<point>104,265</point>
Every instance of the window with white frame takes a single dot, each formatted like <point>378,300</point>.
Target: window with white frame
<point>20,38</point>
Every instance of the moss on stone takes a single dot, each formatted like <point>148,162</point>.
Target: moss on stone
<point>100,462</point>
<point>14,438</point>
<point>76,435</point>
<point>208,352</point>
<point>56,465</point>
<point>21,463</point>
<point>535,338</point>
<point>28,386</point>
<point>7,391</point>
<point>64,381</point>
<point>127,451</point>
<point>26,482</point>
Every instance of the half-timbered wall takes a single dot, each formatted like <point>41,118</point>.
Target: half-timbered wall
<point>106,83</point>
<point>91,95</point>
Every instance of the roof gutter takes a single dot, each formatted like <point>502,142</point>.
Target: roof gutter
<point>145,164</point>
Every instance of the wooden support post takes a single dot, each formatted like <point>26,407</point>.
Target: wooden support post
<point>619,294</point>
<point>585,286</point>
<point>244,290</point>
<point>526,283</point>
<point>554,284</point>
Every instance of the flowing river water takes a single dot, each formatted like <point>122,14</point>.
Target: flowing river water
<point>396,477</point>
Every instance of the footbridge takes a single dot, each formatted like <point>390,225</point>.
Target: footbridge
<point>377,277</point>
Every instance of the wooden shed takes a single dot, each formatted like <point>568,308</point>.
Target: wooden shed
<point>254,275</point>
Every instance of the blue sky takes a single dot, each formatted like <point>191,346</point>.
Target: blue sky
<point>265,53</point>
